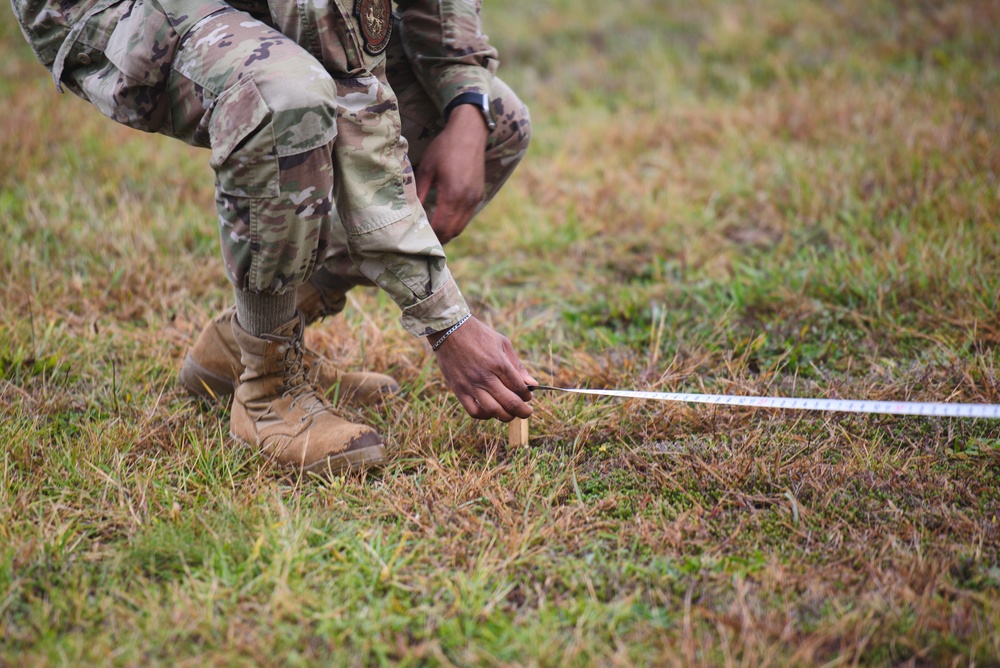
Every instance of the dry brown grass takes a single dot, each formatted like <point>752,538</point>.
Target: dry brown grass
<point>795,198</point>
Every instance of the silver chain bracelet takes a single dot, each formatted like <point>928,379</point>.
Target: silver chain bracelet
<point>451,330</point>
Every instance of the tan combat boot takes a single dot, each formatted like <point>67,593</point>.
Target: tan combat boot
<point>278,410</point>
<point>213,365</point>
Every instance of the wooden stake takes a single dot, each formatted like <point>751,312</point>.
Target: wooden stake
<point>518,432</point>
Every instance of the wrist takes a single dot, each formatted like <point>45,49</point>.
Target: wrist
<point>468,103</point>
<point>438,338</point>
<point>467,123</point>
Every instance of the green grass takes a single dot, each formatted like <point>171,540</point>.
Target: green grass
<point>787,198</point>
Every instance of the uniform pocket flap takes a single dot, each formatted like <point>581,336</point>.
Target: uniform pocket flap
<point>243,147</point>
<point>143,45</point>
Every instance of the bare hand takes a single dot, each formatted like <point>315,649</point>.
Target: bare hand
<point>455,163</point>
<point>483,371</point>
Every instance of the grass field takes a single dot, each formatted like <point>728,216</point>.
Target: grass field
<point>789,198</point>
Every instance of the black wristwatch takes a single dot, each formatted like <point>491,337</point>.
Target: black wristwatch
<point>480,100</point>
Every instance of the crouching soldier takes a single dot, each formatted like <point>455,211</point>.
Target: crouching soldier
<point>315,191</point>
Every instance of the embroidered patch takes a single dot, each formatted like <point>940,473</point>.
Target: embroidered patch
<point>375,19</point>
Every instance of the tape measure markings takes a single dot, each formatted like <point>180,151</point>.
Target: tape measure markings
<point>932,409</point>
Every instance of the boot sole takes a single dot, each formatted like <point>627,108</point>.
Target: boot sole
<point>372,456</point>
<point>354,460</point>
<point>201,382</point>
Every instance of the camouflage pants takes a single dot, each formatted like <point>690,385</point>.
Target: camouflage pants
<point>421,124</point>
<point>299,118</point>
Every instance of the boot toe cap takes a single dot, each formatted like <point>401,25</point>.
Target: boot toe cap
<point>365,451</point>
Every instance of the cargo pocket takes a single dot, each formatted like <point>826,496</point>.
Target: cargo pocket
<point>241,133</point>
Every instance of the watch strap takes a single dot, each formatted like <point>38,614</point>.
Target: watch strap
<point>479,100</point>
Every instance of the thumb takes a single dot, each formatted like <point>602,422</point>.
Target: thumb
<point>519,366</point>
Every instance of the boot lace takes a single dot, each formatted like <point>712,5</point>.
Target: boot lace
<point>296,383</point>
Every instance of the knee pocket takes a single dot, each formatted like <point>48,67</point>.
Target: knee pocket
<point>254,125</point>
<point>241,133</point>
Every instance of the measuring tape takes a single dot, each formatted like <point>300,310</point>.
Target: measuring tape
<point>791,403</point>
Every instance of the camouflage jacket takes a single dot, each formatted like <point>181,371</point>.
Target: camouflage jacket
<point>443,40</point>
<point>446,47</point>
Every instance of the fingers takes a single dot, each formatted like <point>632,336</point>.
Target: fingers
<point>524,377</point>
<point>451,215</point>
<point>484,372</point>
<point>515,407</point>
<point>506,395</point>
<point>493,409</point>
<point>472,406</point>
<point>494,404</point>
<point>492,397</point>
<point>481,405</point>
<point>442,223</point>
<point>514,376</point>
<point>425,179</point>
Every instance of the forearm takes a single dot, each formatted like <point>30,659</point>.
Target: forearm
<point>446,47</point>
<point>406,261</point>
<point>388,234</point>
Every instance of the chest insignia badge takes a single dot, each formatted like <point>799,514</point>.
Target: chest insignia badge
<point>375,20</point>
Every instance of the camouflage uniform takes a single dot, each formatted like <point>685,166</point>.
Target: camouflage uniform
<point>305,132</point>
<point>427,71</point>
